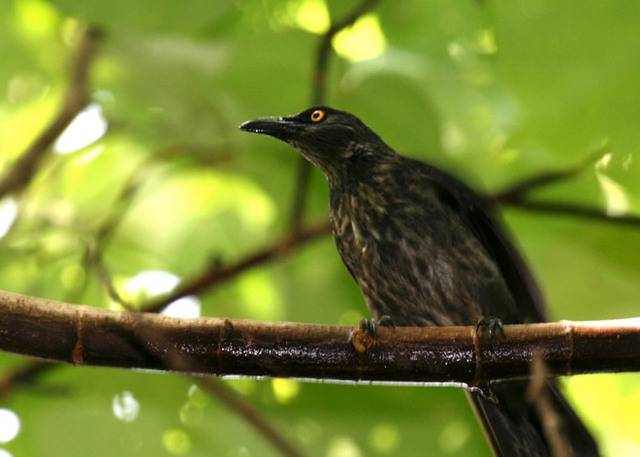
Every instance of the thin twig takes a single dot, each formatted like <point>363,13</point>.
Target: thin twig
<point>20,174</point>
<point>23,375</point>
<point>520,190</point>
<point>215,274</point>
<point>318,91</point>
<point>218,389</point>
<point>549,418</point>
<point>574,210</point>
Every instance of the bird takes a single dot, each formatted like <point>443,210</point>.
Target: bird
<point>427,250</point>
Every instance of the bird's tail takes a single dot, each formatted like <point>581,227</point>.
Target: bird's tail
<point>514,427</point>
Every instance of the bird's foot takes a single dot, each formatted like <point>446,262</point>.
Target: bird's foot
<point>364,336</point>
<point>484,390</point>
<point>490,327</point>
<point>371,326</point>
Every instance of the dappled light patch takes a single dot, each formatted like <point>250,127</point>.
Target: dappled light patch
<point>362,41</point>
<point>285,390</point>
<point>384,438</point>
<point>343,446</point>
<point>176,441</point>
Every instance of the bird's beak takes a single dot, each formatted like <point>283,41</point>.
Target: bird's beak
<point>282,128</point>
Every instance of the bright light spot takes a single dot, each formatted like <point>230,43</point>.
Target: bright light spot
<point>8,214</point>
<point>384,438</point>
<point>456,50</point>
<point>197,397</point>
<point>151,282</point>
<point>453,437</point>
<point>259,296</point>
<point>285,390</point>
<point>87,128</point>
<point>185,307</point>
<point>36,18</point>
<point>364,40</point>
<point>125,407</point>
<point>9,425</point>
<point>507,155</point>
<point>609,404</point>
<point>90,154</point>
<point>486,42</point>
<point>311,15</point>
<point>190,414</point>
<point>603,162</point>
<point>22,88</point>
<point>176,441</point>
<point>244,386</point>
<point>342,446</point>
<point>5,453</point>
<point>616,200</point>
<point>453,139</point>
<point>239,452</point>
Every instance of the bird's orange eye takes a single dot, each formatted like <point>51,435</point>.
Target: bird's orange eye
<point>317,115</point>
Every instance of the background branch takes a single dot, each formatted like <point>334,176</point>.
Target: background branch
<point>318,90</point>
<point>88,336</point>
<point>20,174</point>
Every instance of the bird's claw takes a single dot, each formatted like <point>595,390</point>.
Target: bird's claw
<point>365,335</point>
<point>491,326</point>
<point>371,326</point>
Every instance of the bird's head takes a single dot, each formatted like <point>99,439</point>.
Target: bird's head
<point>326,137</point>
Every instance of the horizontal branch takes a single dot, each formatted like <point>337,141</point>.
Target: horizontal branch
<point>89,336</point>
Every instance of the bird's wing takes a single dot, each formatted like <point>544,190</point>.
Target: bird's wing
<point>476,212</point>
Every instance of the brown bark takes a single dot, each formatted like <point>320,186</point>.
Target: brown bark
<point>89,336</point>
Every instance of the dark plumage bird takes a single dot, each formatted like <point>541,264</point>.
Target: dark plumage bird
<point>426,250</point>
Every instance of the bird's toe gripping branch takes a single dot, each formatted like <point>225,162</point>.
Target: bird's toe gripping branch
<point>364,336</point>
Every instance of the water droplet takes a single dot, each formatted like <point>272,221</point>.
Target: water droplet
<point>125,407</point>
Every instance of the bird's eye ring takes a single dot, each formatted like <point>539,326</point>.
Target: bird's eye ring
<point>317,115</point>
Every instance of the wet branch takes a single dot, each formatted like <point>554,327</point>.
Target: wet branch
<point>20,174</point>
<point>318,90</point>
<point>89,336</point>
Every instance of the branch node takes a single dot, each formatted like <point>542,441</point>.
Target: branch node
<point>361,340</point>
<point>77,355</point>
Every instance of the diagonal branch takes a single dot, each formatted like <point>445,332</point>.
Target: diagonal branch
<point>89,336</point>
<point>318,90</point>
<point>20,174</point>
<point>215,274</point>
<point>218,389</point>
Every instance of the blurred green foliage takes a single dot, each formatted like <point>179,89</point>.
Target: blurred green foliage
<point>492,91</point>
